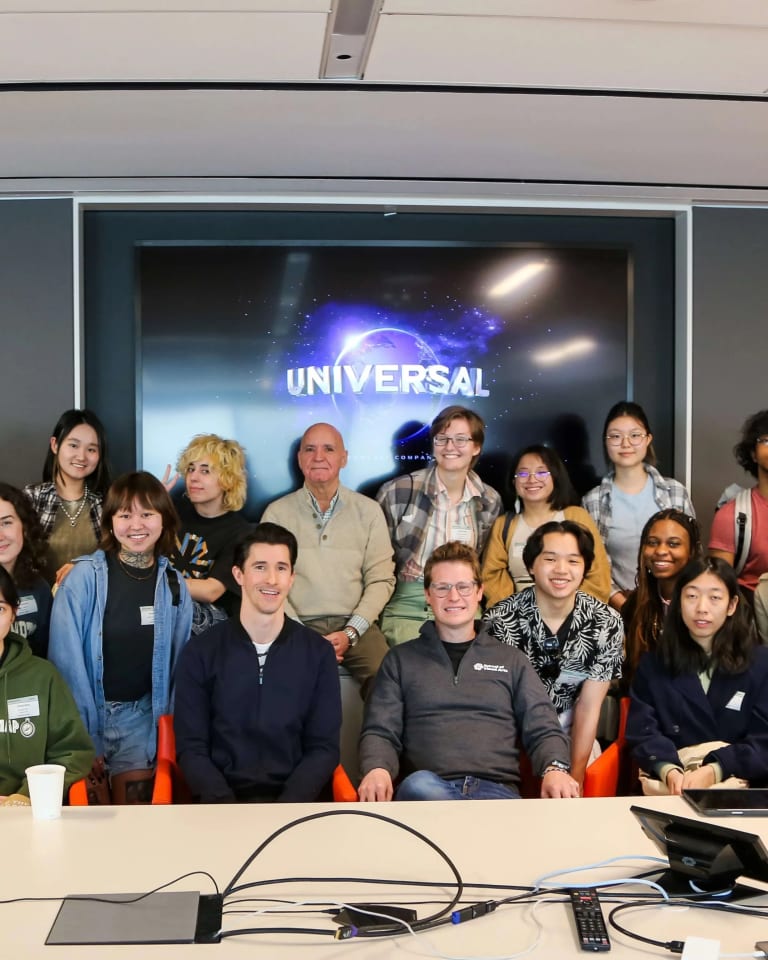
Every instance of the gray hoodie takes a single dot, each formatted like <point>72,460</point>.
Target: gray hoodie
<point>422,717</point>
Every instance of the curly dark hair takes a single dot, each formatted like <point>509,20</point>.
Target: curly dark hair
<point>563,494</point>
<point>32,560</point>
<point>744,451</point>
<point>647,619</point>
<point>733,643</point>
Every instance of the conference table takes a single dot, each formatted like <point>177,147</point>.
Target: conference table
<point>134,849</point>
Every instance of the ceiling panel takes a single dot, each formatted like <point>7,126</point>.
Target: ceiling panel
<point>111,6</point>
<point>744,12</point>
<point>585,54</point>
<point>161,46</point>
<point>286,133</point>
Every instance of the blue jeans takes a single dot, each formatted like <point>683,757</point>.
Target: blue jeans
<point>425,785</point>
<point>127,733</point>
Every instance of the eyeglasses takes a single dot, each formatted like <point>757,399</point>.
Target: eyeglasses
<point>616,439</point>
<point>763,441</point>
<point>539,474</point>
<point>464,589</point>
<point>460,441</point>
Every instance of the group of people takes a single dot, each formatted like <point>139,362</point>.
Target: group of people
<point>474,633</point>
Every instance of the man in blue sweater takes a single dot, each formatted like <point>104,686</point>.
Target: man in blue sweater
<point>258,707</point>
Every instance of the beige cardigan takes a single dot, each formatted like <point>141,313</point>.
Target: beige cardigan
<point>497,582</point>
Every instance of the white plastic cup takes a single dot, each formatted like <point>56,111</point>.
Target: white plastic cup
<point>46,790</point>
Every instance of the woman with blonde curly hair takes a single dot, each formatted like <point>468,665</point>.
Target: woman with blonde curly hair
<point>215,481</point>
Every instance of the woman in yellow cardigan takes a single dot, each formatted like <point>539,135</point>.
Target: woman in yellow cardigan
<point>544,492</point>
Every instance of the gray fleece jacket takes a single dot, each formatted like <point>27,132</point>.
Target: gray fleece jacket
<point>419,716</point>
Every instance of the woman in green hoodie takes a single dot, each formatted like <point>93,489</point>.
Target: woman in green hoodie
<point>39,722</point>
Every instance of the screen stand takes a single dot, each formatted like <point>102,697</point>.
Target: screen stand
<point>678,885</point>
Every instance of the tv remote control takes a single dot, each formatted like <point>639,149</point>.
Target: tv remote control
<point>590,925</point>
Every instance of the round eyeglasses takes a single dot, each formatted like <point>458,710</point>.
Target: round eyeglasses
<point>539,474</point>
<point>464,588</point>
<point>616,439</point>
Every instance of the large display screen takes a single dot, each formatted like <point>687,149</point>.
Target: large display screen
<point>258,341</point>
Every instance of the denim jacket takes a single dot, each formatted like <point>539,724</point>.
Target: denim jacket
<point>76,641</point>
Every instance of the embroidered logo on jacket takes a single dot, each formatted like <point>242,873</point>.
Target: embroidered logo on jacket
<point>491,667</point>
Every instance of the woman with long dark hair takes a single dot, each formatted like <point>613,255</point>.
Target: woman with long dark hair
<point>120,619</point>
<point>699,702</point>
<point>75,479</point>
<point>543,492</point>
<point>22,555</point>
<point>670,539</point>
<point>631,492</point>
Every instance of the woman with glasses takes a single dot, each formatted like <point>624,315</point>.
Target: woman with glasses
<point>670,539</point>
<point>699,702</point>
<point>631,492</point>
<point>446,501</point>
<point>543,493</point>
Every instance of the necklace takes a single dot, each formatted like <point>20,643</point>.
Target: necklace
<point>127,570</point>
<point>73,519</point>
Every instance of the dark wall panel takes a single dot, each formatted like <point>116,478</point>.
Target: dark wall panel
<point>37,330</point>
<point>730,343</point>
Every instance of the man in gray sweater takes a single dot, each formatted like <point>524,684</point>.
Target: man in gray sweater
<point>447,708</point>
<point>345,572</point>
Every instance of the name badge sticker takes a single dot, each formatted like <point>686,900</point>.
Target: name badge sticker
<point>736,701</point>
<point>147,616</point>
<point>27,605</point>
<point>21,707</point>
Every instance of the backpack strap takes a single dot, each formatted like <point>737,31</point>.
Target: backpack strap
<point>173,585</point>
<point>509,516</point>
<point>742,520</point>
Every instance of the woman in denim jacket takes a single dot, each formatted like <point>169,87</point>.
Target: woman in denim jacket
<point>119,622</point>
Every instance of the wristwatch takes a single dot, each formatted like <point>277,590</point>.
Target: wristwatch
<point>352,635</point>
<point>557,765</point>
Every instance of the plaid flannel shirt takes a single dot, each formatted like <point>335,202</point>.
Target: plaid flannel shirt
<point>45,501</point>
<point>408,502</point>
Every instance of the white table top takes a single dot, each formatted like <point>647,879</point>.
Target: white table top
<point>134,849</point>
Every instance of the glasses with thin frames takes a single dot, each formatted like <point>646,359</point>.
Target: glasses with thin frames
<point>616,439</point>
<point>762,441</point>
<point>465,588</point>
<point>459,441</point>
<point>525,474</point>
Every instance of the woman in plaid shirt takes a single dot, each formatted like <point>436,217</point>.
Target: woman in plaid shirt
<point>75,479</point>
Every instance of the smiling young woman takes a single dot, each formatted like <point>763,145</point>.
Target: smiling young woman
<point>544,493</point>
<point>75,479</point>
<point>445,502</point>
<point>119,621</point>
<point>699,701</point>
<point>670,539</point>
<point>631,491</point>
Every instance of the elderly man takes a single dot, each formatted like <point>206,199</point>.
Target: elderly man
<point>448,707</point>
<point>574,641</point>
<point>345,571</point>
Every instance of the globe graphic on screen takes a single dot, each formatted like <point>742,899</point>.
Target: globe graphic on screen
<point>385,345</point>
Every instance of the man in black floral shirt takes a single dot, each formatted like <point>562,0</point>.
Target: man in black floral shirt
<point>573,641</point>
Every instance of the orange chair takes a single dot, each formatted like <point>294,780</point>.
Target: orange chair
<point>169,782</point>
<point>343,789</point>
<point>601,778</point>
<point>171,787</point>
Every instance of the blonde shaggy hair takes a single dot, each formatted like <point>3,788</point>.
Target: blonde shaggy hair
<point>226,458</point>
